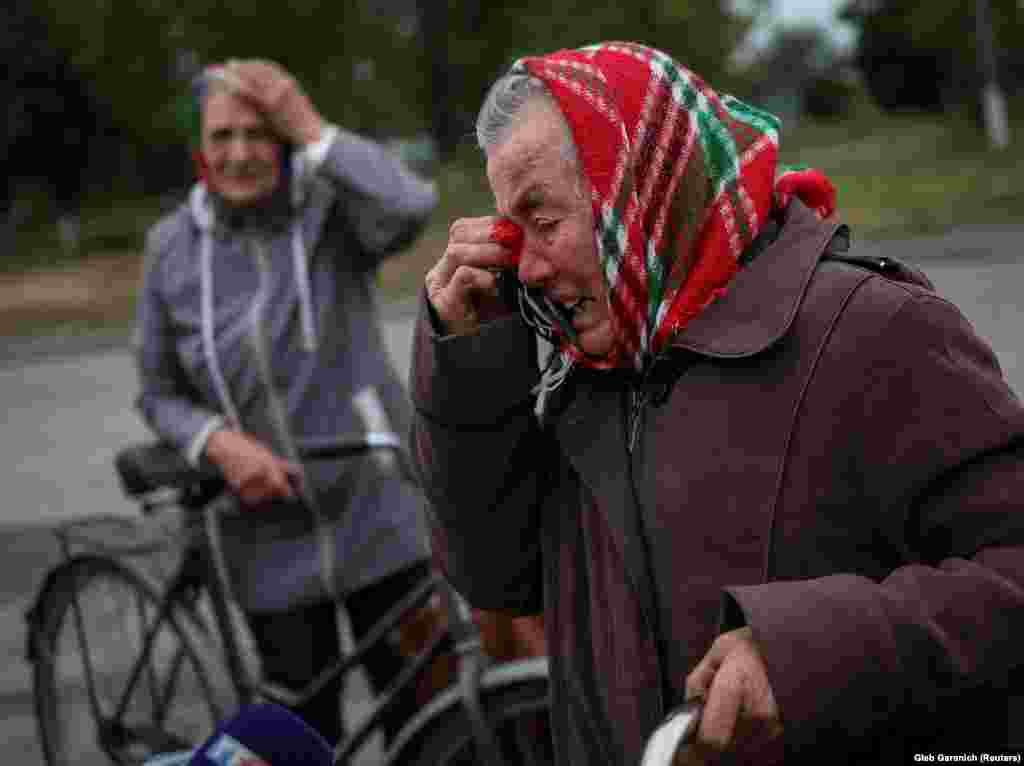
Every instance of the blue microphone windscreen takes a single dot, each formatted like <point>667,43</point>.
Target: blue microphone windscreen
<point>259,735</point>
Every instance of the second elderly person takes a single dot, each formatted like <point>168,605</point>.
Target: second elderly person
<point>258,342</point>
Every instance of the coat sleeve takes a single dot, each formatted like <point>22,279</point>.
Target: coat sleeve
<point>167,401</point>
<point>385,203</point>
<point>482,458</point>
<point>939,450</point>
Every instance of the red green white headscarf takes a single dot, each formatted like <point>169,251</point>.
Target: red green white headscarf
<point>683,179</point>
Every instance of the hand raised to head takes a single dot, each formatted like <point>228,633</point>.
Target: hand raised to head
<point>278,95</point>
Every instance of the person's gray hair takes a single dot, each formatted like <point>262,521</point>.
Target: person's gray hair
<point>505,102</point>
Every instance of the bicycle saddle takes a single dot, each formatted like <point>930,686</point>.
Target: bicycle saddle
<point>145,468</point>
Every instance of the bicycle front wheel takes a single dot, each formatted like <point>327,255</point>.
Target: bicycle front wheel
<point>116,681</point>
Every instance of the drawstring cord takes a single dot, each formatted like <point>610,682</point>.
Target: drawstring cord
<point>301,265</point>
<point>204,219</point>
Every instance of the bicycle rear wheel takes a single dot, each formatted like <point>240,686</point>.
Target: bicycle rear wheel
<point>517,714</point>
<point>97,699</point>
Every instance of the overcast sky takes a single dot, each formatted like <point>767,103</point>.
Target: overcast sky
<point>819,12</point>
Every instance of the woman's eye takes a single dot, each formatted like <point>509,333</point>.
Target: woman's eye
<point>259,134</point>
<point>545,225</point>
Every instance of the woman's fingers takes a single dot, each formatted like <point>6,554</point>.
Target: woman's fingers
<point>252,470</point>
<point>462,303</point>
<point>484,255</point>
<point>473,282</point>
<point>275,92</point>
<point>269,483</point>
<point>462,286</point>
<point>474,242</point>
<point>267,477</point>
<point>740,710</point>
<point>722,707</point>
<point>292,479</point>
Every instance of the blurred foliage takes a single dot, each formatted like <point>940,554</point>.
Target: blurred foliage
<point>141,55</point>
<point>365,62</point>
<point>950,25</point>
<point>925,55</point>
<point>829,98</point>
<point>912,173</point>
<point>794,53</point>
<point>800,71</point>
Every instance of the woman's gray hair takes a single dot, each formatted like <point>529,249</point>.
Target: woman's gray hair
<point>504,103</point>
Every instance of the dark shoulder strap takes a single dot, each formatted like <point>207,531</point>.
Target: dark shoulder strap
<point>838,249</point>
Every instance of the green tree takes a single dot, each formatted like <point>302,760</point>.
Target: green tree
<point>383,67</point>
<point>909,48</point>
<point>478,41</point>
<point>356,63</point>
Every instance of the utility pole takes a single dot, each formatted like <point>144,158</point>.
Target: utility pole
<point>992,99</point>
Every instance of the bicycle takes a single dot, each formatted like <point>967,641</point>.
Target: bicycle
<point>178,665</point>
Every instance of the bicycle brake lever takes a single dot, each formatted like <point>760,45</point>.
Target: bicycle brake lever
<point>674,735</point>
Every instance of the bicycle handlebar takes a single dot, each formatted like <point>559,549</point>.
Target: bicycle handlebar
<point>146,468</point>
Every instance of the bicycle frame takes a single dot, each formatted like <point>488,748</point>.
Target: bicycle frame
<point>461,634</point>
<point>142,662</point>
<point>200,571</point>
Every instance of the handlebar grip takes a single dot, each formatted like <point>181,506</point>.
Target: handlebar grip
<point>673,735</point>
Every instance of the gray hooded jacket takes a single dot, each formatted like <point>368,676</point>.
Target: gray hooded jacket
<point>270,322</point>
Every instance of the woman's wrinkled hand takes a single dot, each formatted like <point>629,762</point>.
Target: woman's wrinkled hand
<point>278,95</point>
<point>463,285</point>
<point>740,713</point>
<point>253,472</point>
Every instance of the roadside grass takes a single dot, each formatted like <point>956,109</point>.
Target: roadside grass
<point>906,175</point>
<point>463,190</point>
<point>897,176</point>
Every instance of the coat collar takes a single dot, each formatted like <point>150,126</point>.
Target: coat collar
<point>764,297</point>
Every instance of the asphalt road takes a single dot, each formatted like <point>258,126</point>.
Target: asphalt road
<point>68,405</point>
<point>68,410</point>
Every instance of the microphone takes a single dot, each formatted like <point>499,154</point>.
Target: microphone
<point>258,735</point>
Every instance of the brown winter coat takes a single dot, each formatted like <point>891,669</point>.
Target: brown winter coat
<point>831,456</point>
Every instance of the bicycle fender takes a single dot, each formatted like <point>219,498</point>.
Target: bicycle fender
<point>494,677</point>
<point>34,613</point>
